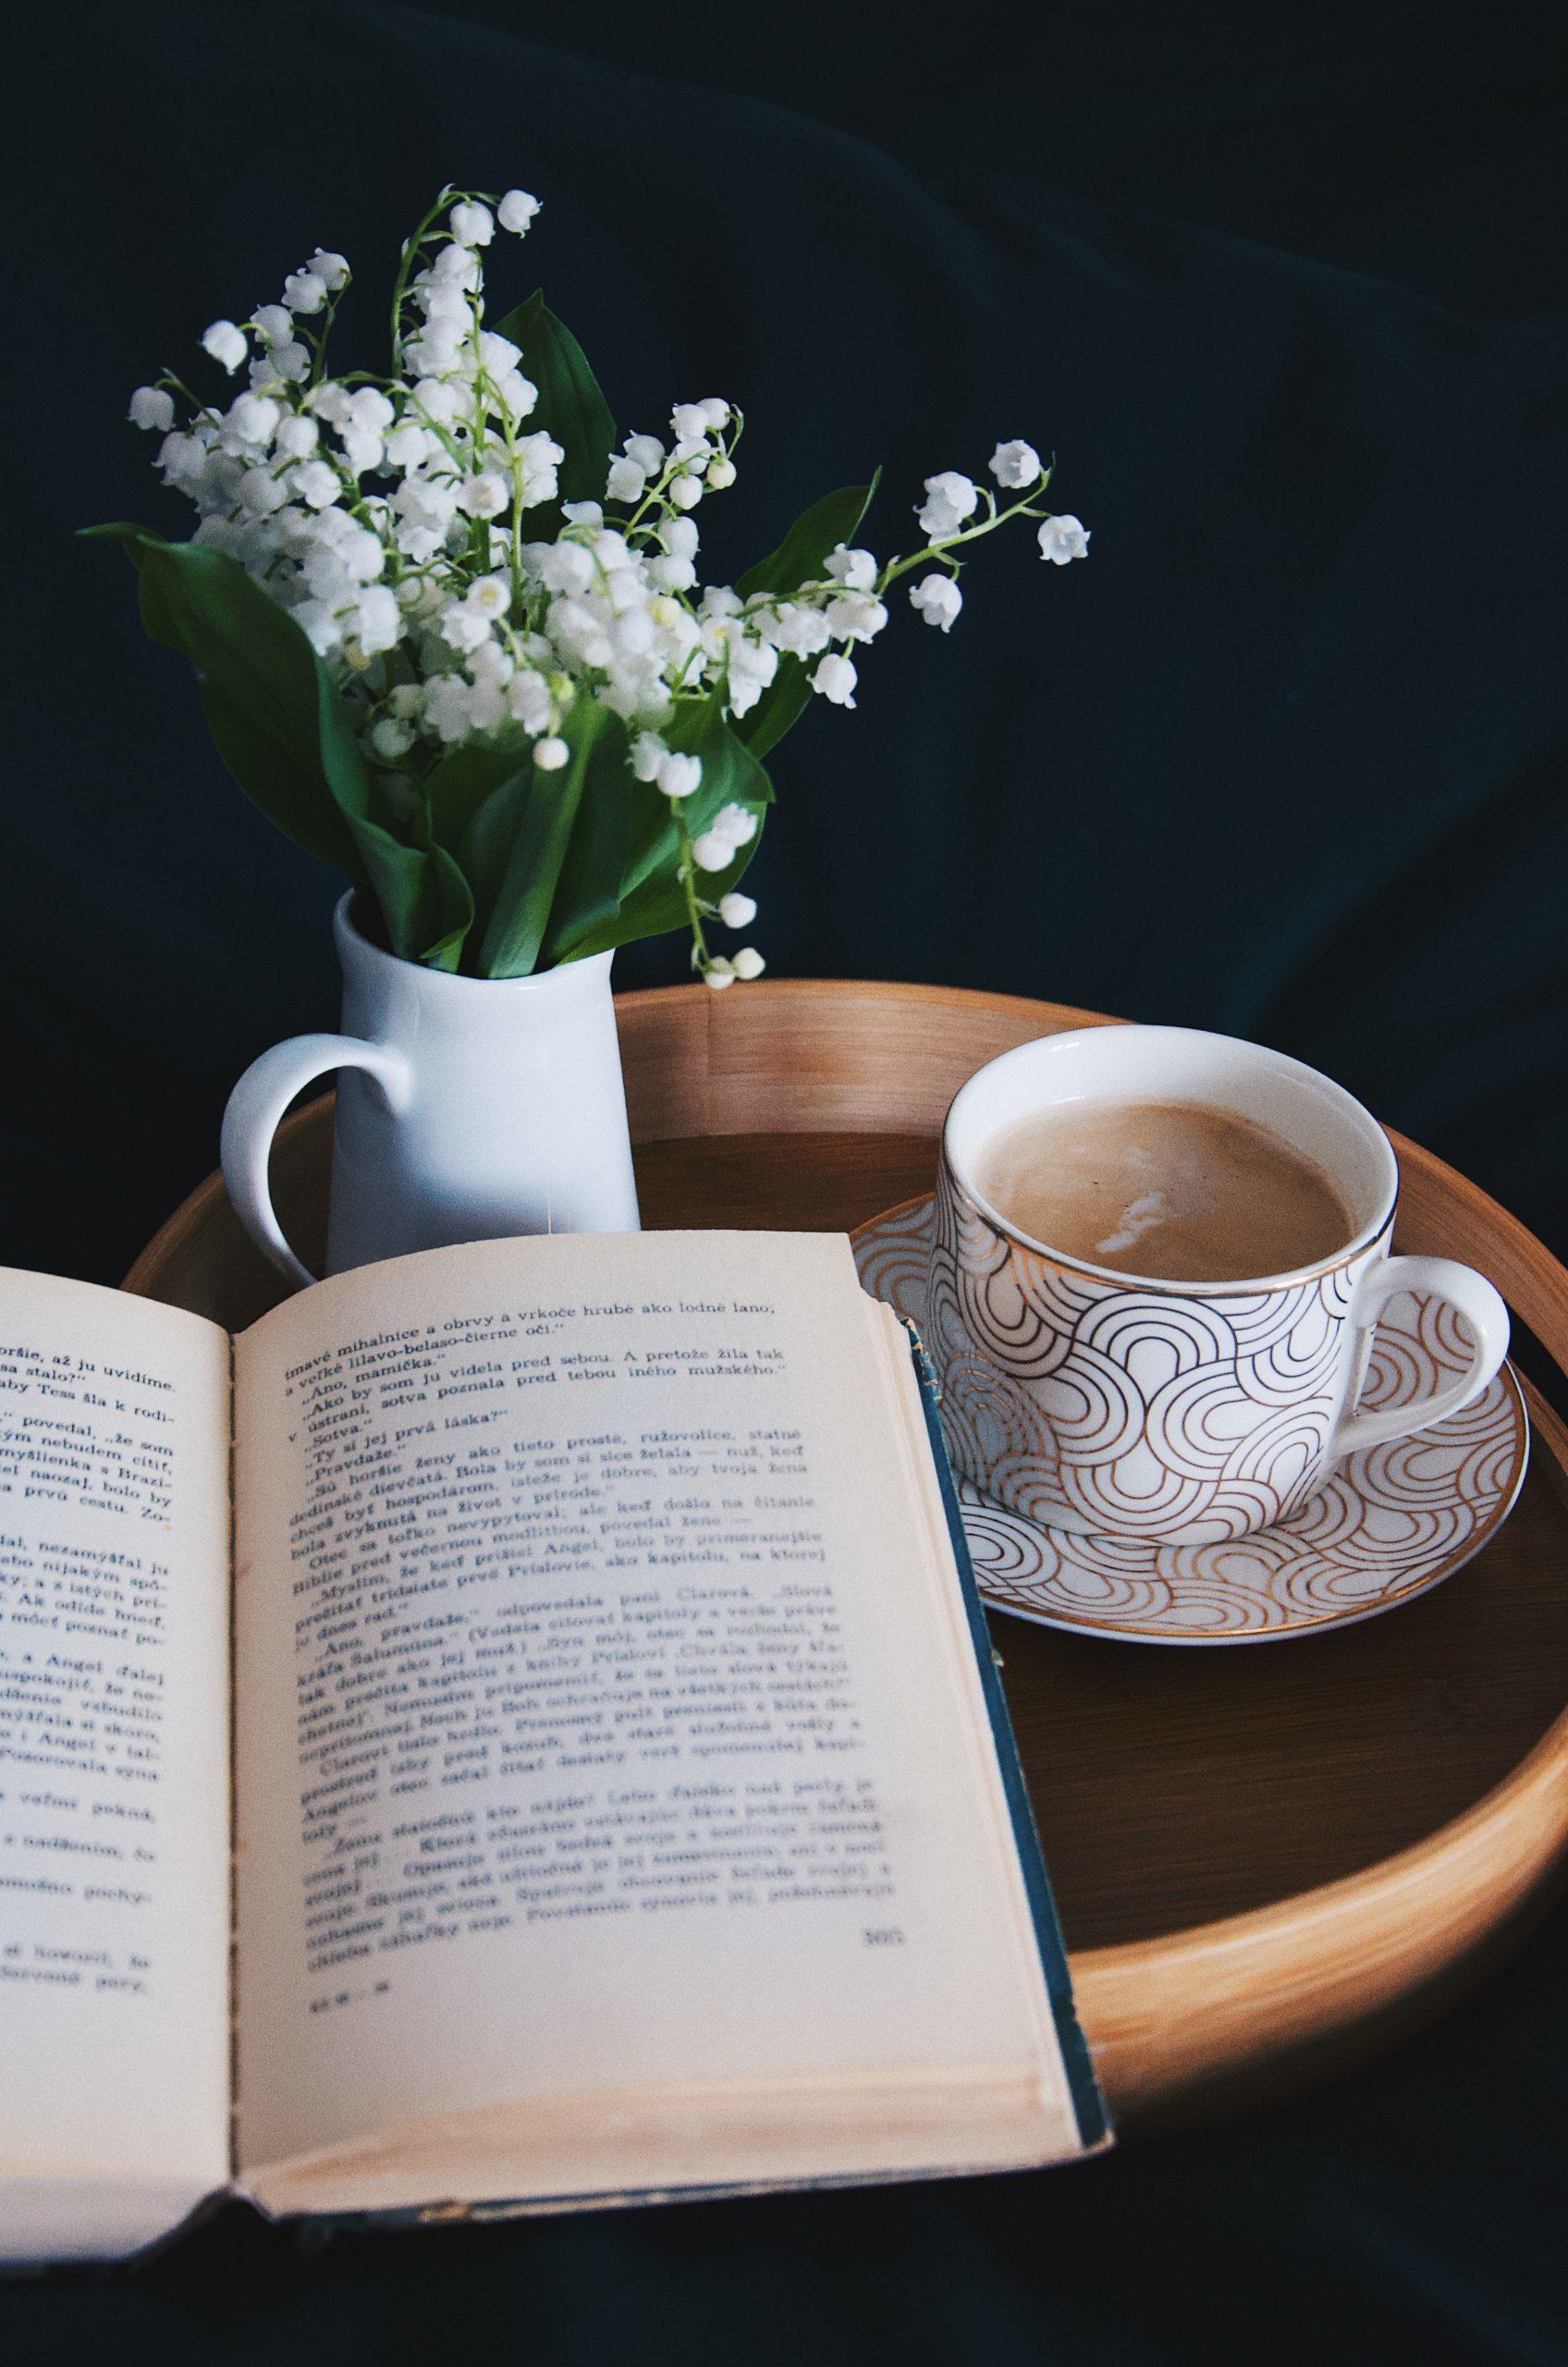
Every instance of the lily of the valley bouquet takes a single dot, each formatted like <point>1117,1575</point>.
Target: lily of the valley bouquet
<point>450,635</point>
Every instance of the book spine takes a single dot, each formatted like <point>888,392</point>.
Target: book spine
<point>1093,2120</point>
<point>233,1768</point>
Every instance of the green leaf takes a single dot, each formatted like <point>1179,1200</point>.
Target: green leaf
<point>478,799</point>
<point>570,407</point>
<point>487,799</point>
<point>779,707</point>
<point>802,556</point>
<point>588,895</point>
<point>448,932</point>
<point>483,849</point>
<point>458,784</point>
<point>518,840</point>
<point>652,897</point>
<point>278,721</point>
<point>288,740</point>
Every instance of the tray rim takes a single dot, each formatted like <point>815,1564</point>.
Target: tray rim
<point>1497,1860</point>
<point>1224,2008</point>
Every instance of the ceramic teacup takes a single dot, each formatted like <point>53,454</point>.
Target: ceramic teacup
<point>1191,1412</point>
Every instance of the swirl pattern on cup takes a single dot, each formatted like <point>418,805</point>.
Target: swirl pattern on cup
<point>1110,1407</point>
<point>1384,1526</point>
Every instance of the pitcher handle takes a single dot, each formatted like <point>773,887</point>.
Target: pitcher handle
<point>257,1104</point>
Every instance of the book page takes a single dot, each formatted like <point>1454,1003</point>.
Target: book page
<point>603,1721</point>
<point>114,1743</point>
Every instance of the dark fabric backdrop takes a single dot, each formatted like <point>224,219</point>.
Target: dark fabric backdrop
<point>1285,757</point>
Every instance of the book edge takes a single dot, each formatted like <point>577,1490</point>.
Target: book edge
<point>1088,2103</point>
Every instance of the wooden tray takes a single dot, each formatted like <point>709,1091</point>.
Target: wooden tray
<point>1268,1863</point>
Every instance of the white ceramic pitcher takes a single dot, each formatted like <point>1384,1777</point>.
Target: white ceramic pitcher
<point>467,1108</point>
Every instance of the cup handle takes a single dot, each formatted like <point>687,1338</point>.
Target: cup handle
<point>258,1102</point>
<point>1475,1299</point>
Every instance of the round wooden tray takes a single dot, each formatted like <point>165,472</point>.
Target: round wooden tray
<point>1268,1863</point>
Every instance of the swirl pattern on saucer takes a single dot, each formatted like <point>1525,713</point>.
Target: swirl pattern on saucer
<point>1102,1405</point>
<point>1385,1526</point>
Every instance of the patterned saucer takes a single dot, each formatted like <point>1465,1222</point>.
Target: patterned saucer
<point>1391,1521</point>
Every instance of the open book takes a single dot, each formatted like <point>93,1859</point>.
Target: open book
<point>513,1729</point>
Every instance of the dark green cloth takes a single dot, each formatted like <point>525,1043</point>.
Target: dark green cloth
<point>1285,757</point>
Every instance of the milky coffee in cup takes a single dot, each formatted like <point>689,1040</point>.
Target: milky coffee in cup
<point>1174,1188</point>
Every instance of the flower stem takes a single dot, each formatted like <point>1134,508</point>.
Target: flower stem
<point>987,525</point>
<point>405,268</point>
<point>689,882</point>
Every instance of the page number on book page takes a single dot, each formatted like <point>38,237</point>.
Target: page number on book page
<point>325,2005</point>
